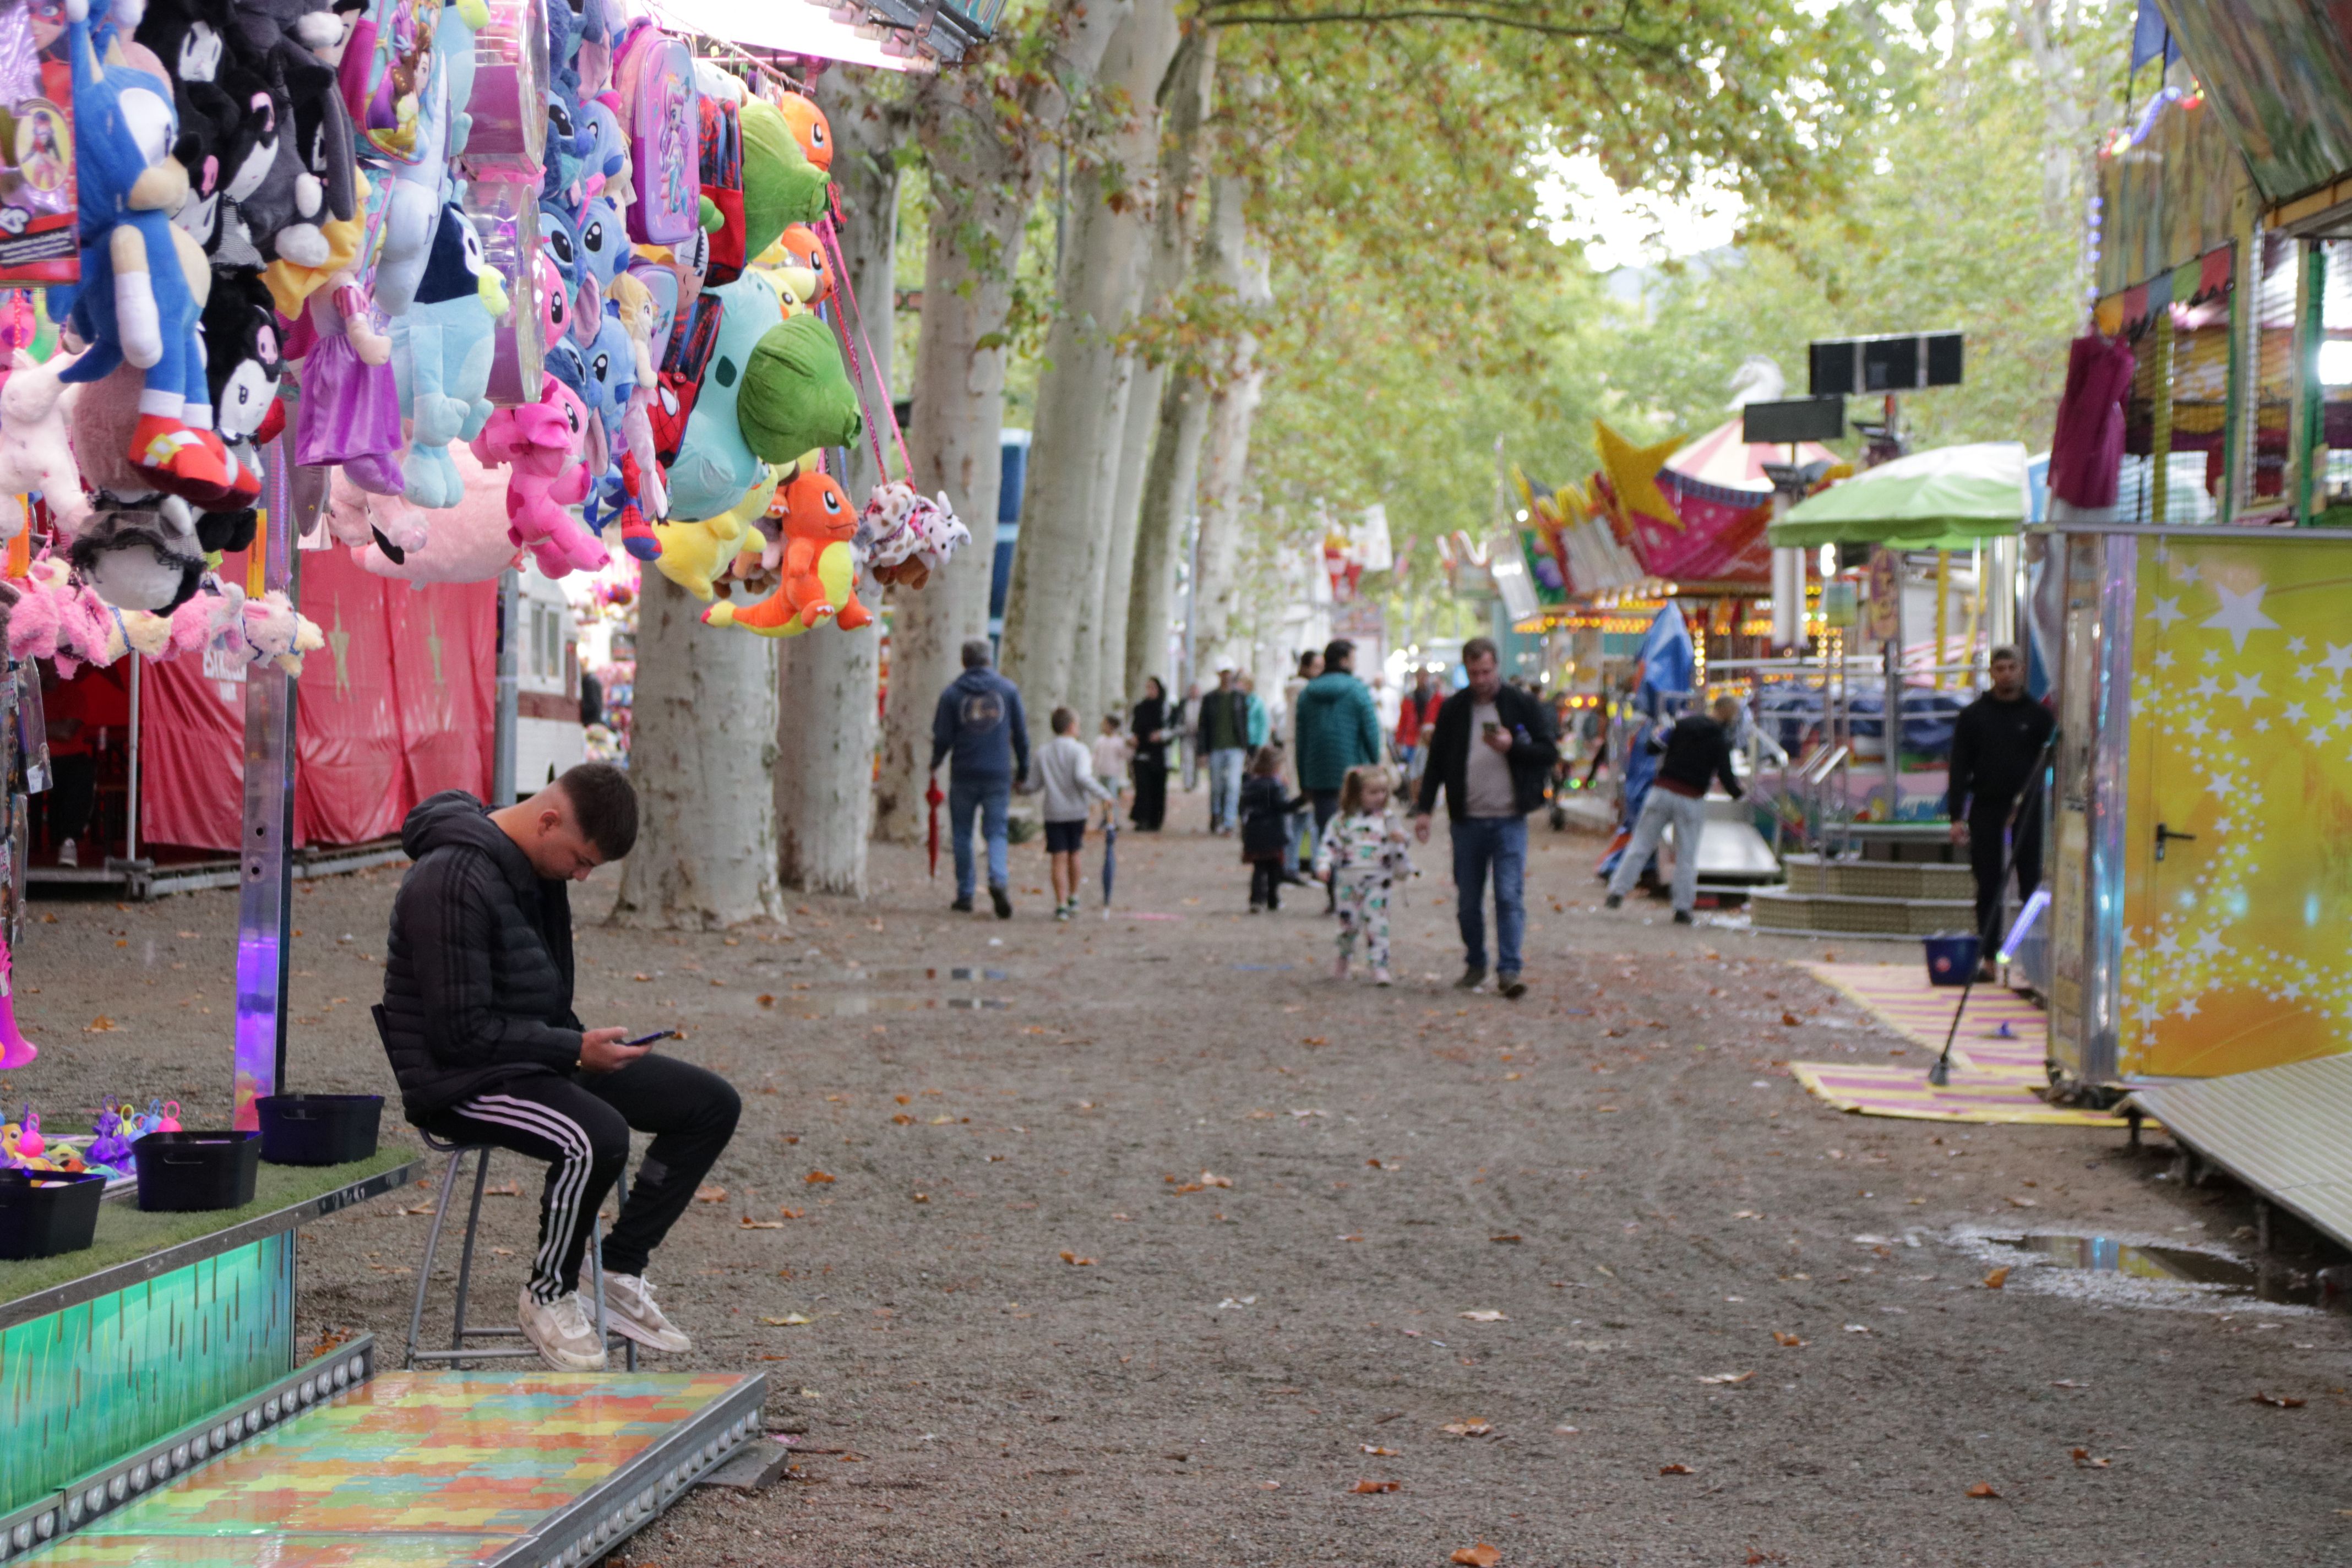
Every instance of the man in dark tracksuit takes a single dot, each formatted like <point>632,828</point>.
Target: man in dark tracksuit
<point>981,724</point>
<point>476,1018</point>
<point>1996,742</point>
<point>1696,754</point>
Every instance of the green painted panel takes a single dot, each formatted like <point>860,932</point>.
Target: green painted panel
<point>82,1387</point>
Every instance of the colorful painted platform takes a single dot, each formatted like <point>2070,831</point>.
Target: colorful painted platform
<point>1993,1076</point>
<point>410,1470</point>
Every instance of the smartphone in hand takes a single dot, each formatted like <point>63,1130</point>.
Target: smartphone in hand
<point>648,1039</point>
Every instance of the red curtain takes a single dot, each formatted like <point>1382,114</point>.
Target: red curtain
<point>398,706</point>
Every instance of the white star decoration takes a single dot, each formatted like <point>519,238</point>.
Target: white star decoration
<point>2209,687</point>
<point>2239,615</point>
<point>2338,661</point>
<point>2163,660</point>
<point>2164,612</point>
<point>2246,689</point>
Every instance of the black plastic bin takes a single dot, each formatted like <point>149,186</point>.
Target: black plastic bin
<point>180,1171</point>
<point>319,1128</point>
<point>44,1213</point>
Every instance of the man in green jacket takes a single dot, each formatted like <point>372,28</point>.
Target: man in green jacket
<point>1339,729</point>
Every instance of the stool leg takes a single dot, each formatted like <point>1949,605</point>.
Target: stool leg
<point>432,1245</point>
<point>466,1259</point>
<point>620,1200</point>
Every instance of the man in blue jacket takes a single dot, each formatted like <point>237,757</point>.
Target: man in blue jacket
<point>980,723</point>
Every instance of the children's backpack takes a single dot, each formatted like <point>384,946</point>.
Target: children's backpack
<point>661,112</point>
<point>722,182</point>
<point>688,355</point>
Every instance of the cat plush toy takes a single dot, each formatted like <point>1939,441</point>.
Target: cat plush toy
<point>441,357</point>
<point>143,280</point>
<point>243,364</point>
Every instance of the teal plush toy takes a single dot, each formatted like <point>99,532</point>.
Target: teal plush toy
<point>715,465</point>
<point>796,394</point>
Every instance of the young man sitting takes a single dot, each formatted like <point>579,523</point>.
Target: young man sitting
<point>476,1018</point>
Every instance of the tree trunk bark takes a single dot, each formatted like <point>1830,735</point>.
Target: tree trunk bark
<point>984,177</point>
<point>828,680</point>
<point>1169,483</point>
<point>1054,614</point>
<point>1184,96</point>
<point>1242,259</point>
<point>704,742</point>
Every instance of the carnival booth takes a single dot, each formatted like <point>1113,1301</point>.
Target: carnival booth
<point>412,294</point>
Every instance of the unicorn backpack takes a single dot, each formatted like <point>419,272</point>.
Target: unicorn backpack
<point>661,112</point>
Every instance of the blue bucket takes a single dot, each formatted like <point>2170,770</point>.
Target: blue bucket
<point>1951,957</point>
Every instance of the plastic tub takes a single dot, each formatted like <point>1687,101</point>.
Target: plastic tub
<point>319,1128</point>
<point>181,1171</point>
<point>44,1213</point>
<point>1951,957</point>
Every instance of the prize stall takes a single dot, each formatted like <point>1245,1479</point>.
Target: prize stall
<point>421,292</point>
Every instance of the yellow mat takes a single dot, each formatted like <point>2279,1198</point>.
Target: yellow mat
<point>1997,1059</point>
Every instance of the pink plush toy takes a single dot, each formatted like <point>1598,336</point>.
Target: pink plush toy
<point>275,631</point>
<point>464,544</point>
<point>196,623</point>
<point>35,451</point>
<point>544,443</point>
<point>358,517</point>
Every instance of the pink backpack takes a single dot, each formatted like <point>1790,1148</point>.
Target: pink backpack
<point>661,112</point>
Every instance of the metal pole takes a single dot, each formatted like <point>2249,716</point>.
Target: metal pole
<point>266,886</point>
<point>502,742</point>
<point>131,831</point>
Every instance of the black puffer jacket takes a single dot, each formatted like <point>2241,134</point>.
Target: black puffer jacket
<point>477,971</point>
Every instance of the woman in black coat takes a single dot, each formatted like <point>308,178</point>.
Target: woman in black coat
<point>1147,723</point>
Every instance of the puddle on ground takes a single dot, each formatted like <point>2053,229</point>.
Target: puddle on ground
<point>909,975</point>
<point>2126,1272</point>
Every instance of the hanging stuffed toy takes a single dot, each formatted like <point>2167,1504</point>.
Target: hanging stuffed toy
<point>803,266</point>
<point>905,535</point>
<point>819,569</point>
<point>441,358</point>
<point>35,452</point>
<point>242,368</point>
<point>275,633</point>
<point>662,110</point>
<point>810,129</point>
<point>143,280</point>
<point>796,395</point>
<point>142,558</point>
<point>358,517</point>
<point>697,555</point>
<point>781,186</point>
<point>349,411</point>
<point>714,464</point>
<point>543,444</point>
<point>466,543</point>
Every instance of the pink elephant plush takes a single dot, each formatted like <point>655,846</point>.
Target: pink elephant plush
<point>544,444</point>
<point>464,543</point>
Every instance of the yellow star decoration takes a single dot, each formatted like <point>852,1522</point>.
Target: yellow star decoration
<point>1633,473</point>
<point>2241,734</point>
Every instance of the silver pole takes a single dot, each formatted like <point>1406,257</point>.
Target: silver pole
<point>265,884</point>
<point>510,667</point>
<point>131,834</point>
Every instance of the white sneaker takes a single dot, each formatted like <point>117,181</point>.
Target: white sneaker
<point>560,1330</point>
<point>629,1309</point>
<point>68,855</point>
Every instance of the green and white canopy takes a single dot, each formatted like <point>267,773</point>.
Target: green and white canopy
<point>1948,498</point>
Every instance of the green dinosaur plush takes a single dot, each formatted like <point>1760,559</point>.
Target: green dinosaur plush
<point>796,395</point>
<point>781,186</point>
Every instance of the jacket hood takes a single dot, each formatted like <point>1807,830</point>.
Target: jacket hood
<point>1331,686</point>
<point>979,679</point>
<point>454,817</point>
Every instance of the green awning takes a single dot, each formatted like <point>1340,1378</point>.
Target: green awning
<point>1948,498</point>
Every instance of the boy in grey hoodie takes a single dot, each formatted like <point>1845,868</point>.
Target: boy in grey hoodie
<point>1066,770</point>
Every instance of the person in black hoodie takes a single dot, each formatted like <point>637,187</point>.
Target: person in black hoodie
<point>1266,812</point>
<point>1997,744</point>
<point>476,1018</point>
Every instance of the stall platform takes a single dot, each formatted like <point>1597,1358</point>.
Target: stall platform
<point>2284,1131</point>
<point>421,1470</point>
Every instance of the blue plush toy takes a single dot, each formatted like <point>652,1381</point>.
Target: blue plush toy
<point>715,465</point>
<point>604,242</point>
<point>441,352</point>
<point>420,188</point>
<point>144,279</point>
<point>559,240</point>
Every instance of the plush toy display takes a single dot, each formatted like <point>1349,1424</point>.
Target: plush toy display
<point>715,465</point>
<point>803,266</point>
<point>142,558</point>
<point>466,543</point>
<point>35,454</point>
<point>544,444</point>
<point>905,535</point>
<point>696,555</point>
<point>810,129</point>
<point>781,186</point>
<point>441,352</point>
<point>819,569</point>
<point>796,395</point>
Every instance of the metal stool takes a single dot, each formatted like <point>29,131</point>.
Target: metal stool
<point>459,1333</point>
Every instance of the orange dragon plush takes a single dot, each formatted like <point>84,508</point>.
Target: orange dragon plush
<point>819,569</point>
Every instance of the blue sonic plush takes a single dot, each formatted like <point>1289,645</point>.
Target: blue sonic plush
<point>715,465</point>
<point>441,352</point>
<point>143,280</point>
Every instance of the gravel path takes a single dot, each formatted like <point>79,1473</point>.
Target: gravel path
<point>1146,1243</point>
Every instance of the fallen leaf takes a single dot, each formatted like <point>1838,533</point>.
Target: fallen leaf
<point>750,1223</point>
<point>1270,1486</point>
<point>1209,1180</point>
<point>1313,1040</point>
<point>816,1177</point>
<point>1471,1427</point>
<point>711,1194</point>
<point>942,1121</point>
<point>1857,1328</point>
<point>1728,1377</point>
<point>920,1198</point>
<point>1509,1240</point>
<point>1790,1019</point>
<point>1188,1187</point>
<point>787,1214</point>
<point>789,1321</point>
<point>1983,1489</point>
<point>101,1025</point>
<point>641,978</point>
<point>1565,1431</point>
<point>1997,1279</point>
<point>1791,1341</point>
<point>1673,1469</point>
<point>2069,1383</point>
<point>765,999</point>
<point>1479,1556</point>
<point>1378,1452</point>
<point>2023,1203</point>
<point>2279,1401</point>
<point>1352,1238</point>
<point>902,1119</point>
<point>1369,1487</point>
<point>2083,1459</point>
<point>1486,1316</point>
<point>1074,1261</point>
